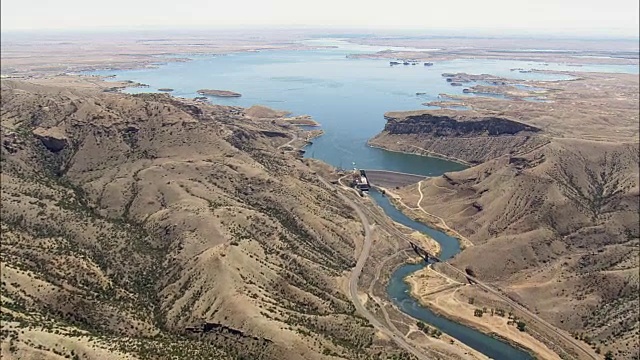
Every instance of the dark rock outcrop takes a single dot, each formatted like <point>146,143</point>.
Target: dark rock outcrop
<point>52,139</point>
<point>273,134</point>
<point>463,138</point>
<point>440,125</point>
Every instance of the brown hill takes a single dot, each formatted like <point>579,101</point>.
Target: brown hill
<point>552,203</point>
<point>150,227</point>
<point>557,228</point>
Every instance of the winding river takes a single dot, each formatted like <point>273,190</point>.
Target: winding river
<point>348,97</point>
<point>399,292</point>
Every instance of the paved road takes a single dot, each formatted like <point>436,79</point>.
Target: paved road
<point>398,338</point>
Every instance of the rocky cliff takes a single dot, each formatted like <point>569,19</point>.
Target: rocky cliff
<point>465,138</point>
<point>552,204</point>
<point>446,125</point>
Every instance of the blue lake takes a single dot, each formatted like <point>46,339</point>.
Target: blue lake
<point>347,96</point>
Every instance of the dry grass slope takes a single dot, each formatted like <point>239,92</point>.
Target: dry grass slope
<point>553,212</point>
<point>150,227</point>
<point>557,227</point>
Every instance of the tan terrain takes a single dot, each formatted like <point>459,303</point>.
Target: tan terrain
<point>279,116</point>
<point>552,204</point>
<point>573,51</point>
<point>145,226</point>
<point>32,54</point>
<point>153,227</point>
<point>448,296</point>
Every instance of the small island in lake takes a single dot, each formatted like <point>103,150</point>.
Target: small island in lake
<point>219,93</point>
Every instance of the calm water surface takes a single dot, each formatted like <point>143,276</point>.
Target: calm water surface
<point>349,97</point>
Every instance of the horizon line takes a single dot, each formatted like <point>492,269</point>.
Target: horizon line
<point>569,33</point>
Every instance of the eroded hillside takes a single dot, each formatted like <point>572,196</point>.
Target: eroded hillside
<point>151,227</point>
<point>553,199</point>
<point>558,229</point>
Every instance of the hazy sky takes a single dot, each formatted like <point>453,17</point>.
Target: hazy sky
<point>615,17</point>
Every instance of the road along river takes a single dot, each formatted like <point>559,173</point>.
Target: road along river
<point>398,291</point>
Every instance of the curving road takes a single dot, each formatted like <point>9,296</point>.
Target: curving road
<point>584,350</point>
<point>355,275</point>
<point>288,143</point>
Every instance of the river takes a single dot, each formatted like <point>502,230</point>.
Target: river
<point>348,97</point>
<point>399,292</point>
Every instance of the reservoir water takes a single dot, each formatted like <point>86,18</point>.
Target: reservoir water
<point>349,97</point>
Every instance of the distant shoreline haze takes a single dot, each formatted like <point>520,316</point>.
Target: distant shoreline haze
<point>352,33</point>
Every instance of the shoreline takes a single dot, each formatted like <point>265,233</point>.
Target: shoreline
<point>433,243</point>
<point>400,262</point>
<point>430,154</point>
<point>415,213</point>
<point>396,200</point>
<point>487,53</point>
<point>485,329</point>
<point>151,60</point>
<point>395,265</point>
<point>415,296</point>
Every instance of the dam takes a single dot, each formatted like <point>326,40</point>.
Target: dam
<point>392,179</point>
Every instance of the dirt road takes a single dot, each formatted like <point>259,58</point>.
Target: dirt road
<point>398,338</point>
